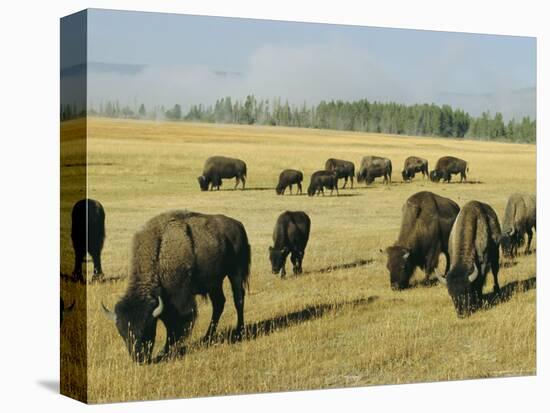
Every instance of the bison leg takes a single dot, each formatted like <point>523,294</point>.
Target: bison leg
<point>238,300</point>
<point>290,189</point>
<point>351,179</point>
<point>345,182</point>
<point>79,256</point>
<point>178,328</point>
<point>243,180</point>
<point>299,188</point>
<point>495,266</point>
<point>218,302</point>
<point>237,180</point>
<point>98,272</point>
<point>529,239</point>
<point>296,258</point>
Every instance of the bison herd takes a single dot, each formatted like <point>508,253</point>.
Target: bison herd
<point>217,168</point>
<point>178,255</point>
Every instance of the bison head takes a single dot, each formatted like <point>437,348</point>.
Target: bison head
<point>279,189</point>
<point>400,267</point>
<point>435,176</point>
<point>277,258</point>
<point>361,175</point>
<point>136,322</point>
<point>407,174</point>
<point>460,285</point>
<point>203,183</point>
<point>311,190</point>
<point>509,243</point>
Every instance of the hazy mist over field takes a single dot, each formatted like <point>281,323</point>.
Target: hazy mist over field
<point>163,59</point>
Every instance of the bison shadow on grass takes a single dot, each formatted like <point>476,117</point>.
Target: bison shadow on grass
<point>507,292</point>
<point>265,327</point>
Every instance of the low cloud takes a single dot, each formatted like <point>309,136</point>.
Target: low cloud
<point>307,73</point>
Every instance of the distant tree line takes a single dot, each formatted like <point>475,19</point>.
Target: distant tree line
<point>361,115</point>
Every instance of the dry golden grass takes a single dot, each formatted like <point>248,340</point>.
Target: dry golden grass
<point>362,332</point>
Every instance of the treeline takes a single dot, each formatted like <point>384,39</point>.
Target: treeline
<point>361,115</point>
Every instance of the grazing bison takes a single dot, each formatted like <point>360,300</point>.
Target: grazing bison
<point>473,247</point>
<point>217,168</point>
<point>520,217</point>
<point>447,166</point>
<point>321,180</point>
<point>290,236</point>
<point>64,310</point>
<point>374,167</point>
<point>176,256</point>
<point>287,178</point>
<point>88,235</point>
<point>414,164</point>
<point>343,169</point>
<point>425,226</point>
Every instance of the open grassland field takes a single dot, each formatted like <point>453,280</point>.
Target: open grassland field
<point>338,324</point>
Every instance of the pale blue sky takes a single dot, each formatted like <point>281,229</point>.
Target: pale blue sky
<point>182,56</point>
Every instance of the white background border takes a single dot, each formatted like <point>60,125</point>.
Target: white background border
<point>29,182</point>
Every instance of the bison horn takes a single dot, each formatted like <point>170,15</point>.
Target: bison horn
<point>511,232</point>
<point>406,255</point>
<point>441,279</point>
<point>108,313</point>
<point>157,311</point>
<point>472,277</point>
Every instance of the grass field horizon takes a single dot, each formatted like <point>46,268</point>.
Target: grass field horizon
<point>339,324</point>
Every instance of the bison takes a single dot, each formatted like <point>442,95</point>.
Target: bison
<point>176,256</point>
<point>520,217</point>
<point>474,250</point>
<point>64,310</point>
<point>321,180</point>
<point>414,164</point>
<point>287,178</point>
<point>343,169</point>
<point>447,166</point>
<point>88,235</point>
<point>290,236</point>
<point>374,167</point>
<point>425,226</point>
<point>217,168</point>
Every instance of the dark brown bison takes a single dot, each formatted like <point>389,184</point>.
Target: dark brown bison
<point>413,165</point>
<point>343,169</point>
<point>176,256</point>
<point>520,217</point>
<point>474,250</point>
<point>426,223</point>
<point>88,235</point>
<point>287,178</point>
<point>374,167</point>
<point>64,310</point>
<point>290,236</point>
<point>447,166</point>
<point>217,168</point>
<point>321,180</point>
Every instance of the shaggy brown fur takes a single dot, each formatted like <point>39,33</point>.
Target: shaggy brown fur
<point>425,227</point>
<point>290,236</point>
<point>414,164</point>
<point>447,166</point>
<point>176,256</point>
<point>287,178</point>
<point>473,247</point>
<point>520,217</point>
<point>217,168</point>
<point>374,167</point>
<point>87,235</point>
<point>343,169</point>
